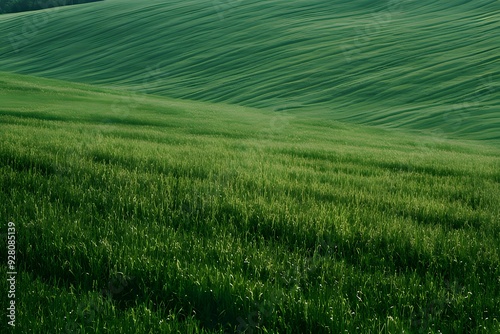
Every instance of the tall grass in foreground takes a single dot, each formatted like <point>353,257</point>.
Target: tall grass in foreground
<point>177,218</point>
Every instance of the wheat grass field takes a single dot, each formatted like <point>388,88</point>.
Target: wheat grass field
<point>252,167</point>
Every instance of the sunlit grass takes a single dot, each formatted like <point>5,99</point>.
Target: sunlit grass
<point>191,217</point>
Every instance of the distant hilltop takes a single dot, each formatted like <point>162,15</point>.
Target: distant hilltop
<point>420,65</point>
<point>15,6</point>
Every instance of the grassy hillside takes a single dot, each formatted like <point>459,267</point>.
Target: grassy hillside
<point>174,216</point>
<point>428,65</point>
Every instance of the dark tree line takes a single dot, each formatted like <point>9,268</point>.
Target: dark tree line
<point>14,6</point>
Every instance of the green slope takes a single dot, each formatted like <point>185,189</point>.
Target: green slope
<point>192,217</point>
<point>424,65</point>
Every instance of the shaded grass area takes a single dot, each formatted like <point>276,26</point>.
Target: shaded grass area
<point>16,6</point>
<point>191,217</point>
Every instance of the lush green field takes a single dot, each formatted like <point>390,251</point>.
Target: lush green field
<point>309,166</point>
<point>190,217</point>
<point>423,64</point>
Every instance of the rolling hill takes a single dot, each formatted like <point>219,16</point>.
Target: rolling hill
<point>193,217</point>
<point>251,167</point>
<point>420,65</point>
